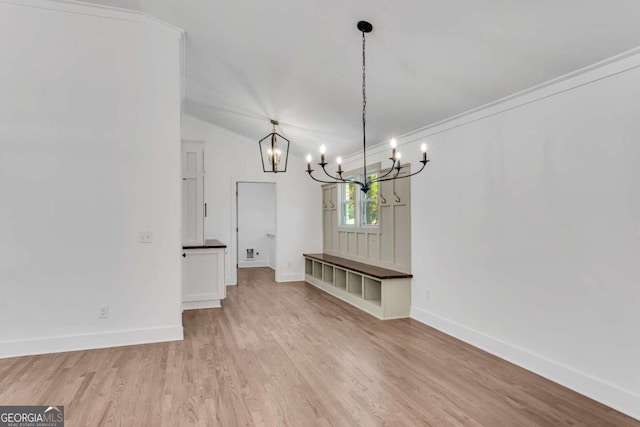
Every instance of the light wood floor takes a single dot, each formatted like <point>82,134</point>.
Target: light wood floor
<point>287,354</point>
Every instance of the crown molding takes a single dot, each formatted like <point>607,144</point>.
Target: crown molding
<point>183,70</point>
<point>100,11</point>
<point>601,70</point>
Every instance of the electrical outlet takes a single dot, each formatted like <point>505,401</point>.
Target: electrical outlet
<point>103,312</point>
<point>146,237</point>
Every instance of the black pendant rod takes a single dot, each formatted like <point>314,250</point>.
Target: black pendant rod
<point>365,188</point>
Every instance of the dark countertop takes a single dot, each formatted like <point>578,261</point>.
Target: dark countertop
<point>360,267</point>
<point>209,243</point>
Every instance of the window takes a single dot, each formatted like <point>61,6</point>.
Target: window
<point>357,208</point>
<point>370,203</point>
<point>349,203</point>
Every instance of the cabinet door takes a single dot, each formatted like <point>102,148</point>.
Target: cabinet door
<point>203,275</point>
<point>192,193</point>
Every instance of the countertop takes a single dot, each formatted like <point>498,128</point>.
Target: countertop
<point>209,243</point>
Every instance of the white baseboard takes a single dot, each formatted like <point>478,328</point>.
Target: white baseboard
<point>196,305</point>
<point>291,277</point>
<point>89,341</point>
<point>251,264</point>
<point>608,394</point>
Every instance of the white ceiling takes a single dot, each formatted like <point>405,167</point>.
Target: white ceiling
<point>299,61</point>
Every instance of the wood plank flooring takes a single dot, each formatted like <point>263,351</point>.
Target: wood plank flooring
<point>288,354</point>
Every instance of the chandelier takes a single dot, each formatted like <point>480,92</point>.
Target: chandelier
<point>394,171</point>
<point>272,149</point>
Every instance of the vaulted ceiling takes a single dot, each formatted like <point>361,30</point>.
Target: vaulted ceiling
<point>299,61</point>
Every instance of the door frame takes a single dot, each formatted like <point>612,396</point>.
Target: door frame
<point>234,219</point>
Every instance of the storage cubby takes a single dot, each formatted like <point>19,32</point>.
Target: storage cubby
<point>340,280</point>
<point>317,270</point>
<point>383,293</point>
<point>354,283</point>
<point>328,274</point>
<point>373,290</point>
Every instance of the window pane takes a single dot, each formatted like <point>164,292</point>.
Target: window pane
<point>350,192</point>
<point>370,213</point>
<point>370,202</point>
<point>349,213</point>
<point>373,191</point>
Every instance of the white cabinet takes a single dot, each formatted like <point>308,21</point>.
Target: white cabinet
<point>192,193</point>
<point>203,283</point>
<point>385,294</point>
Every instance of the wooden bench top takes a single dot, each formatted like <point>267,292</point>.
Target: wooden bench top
<point>360,267</point>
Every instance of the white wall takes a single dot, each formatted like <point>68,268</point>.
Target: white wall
<point>271,248</point>
<point>526,230</point>
<point>230,158</point>
<point>89,157</point>
<point>256,217</point>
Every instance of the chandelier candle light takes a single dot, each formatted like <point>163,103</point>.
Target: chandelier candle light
<point>393,172</point>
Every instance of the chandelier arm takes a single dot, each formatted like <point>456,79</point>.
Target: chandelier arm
<point>343,181</point>
<point>340,179</point>
<point>388,172</point>
<point>337,178</point>
<point>319,180</point>
<point>388,179</point>
<point>424,163</point>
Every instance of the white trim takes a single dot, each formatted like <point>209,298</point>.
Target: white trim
<point>622,400</point>
<point>196,305</point>
<point>609,67</point>
<point>235,180</point>
<point>252,264</point>
<point>289,277</point>
<point>183,74</point>
<point>90,341</point>
<point>101,11</point>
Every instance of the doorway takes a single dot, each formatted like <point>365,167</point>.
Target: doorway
<point>256,224</point>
